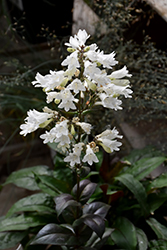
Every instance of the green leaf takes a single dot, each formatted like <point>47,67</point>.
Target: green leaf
<point>10,239</point>
<point>158,245</point>
<point>145,166</point>
<point>52,185</point>
<point>25,177</point>
<point>124,234</point>
<point>159,229</point>
<point>142,239</point>
<point>156,200</point>
<point>53,234</point>
<point>44,187</point>
<point>159,182</point>
<point>36,202</point>
<point>93,221</point>
<point>86,189</point>
<point>137,189</point>
<point>97,207</point>
<point>63,201</point>
<point>23,222</point>
<point>137,154</point>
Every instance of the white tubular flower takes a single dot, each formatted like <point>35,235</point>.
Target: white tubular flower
<point>107,60</point>
<point>109,102</point>
<point>76,86</point>
<point>50,81</point>
<point>63,140</point>
<point>74,158</point>
<point>85,126</point>
<point>115,90</point>
<point>71,61</point>
<point>57,134</point>
<point>62,128</point>
<point>52,95</point>
<point>109,146</point>
<point>90,157</point>
<point>55,79</point>
<point>78,40</point>
<point>91,69</point>
<point>33,121</point>
<point>49,136</point>
<point>92,53</point>
<point>93,72</point>
<point>78,147</point>
<point>109,134</point>
<point>67,100</point>
<point>106,140</point>
<point>41,81</point>
<point>120,73</point>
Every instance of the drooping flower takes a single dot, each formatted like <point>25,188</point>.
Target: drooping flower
<point>33,121</point>
<point>120,73</point>
<point>106,140</point>
<point>90,156</point>
<point>74,158</point>
<point>115,90</point>
<point>49,136</point>
<point>76,86</point>
<point>71,61</point>
<point>108,101</point>
<point>85,126</point>
<point>107,60</point>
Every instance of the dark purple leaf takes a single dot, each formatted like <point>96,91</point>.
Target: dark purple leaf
<point>98,208</point>
<point>61,235</point>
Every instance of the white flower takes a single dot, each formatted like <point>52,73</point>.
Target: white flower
<point>92,53</point>
<point>109,102</point>
<point>71,61</point>
<point>67,100</point>
<point>76,86</point>
<point>106,140</point>
<point>78,147</point>
<point>74,158</point>
<point>49,136</point>
<point>109,134</point>
<point>107,60</point>
<point>92,71</point>
<point>78,40</point>
<point>90,157</point>
<point>50,81</point>
<point>115,90</point>
<point>85,126</point>
<point>109,146</point>
<point>120,73</point>
<point>33,121</point>
<point>62,128</point>
<point>63,140</point>
<point>41,81</point>
<point>52,95</point>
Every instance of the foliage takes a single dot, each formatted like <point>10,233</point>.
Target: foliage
<point>134,203</point>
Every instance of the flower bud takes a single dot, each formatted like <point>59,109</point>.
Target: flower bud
<point>57,101</point>
<point>87,49</point>
<point>70,50</point>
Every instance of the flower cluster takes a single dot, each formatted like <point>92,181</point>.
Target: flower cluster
<point>83,84</point>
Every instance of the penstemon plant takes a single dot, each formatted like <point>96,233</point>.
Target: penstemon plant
<point>87,81</point>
